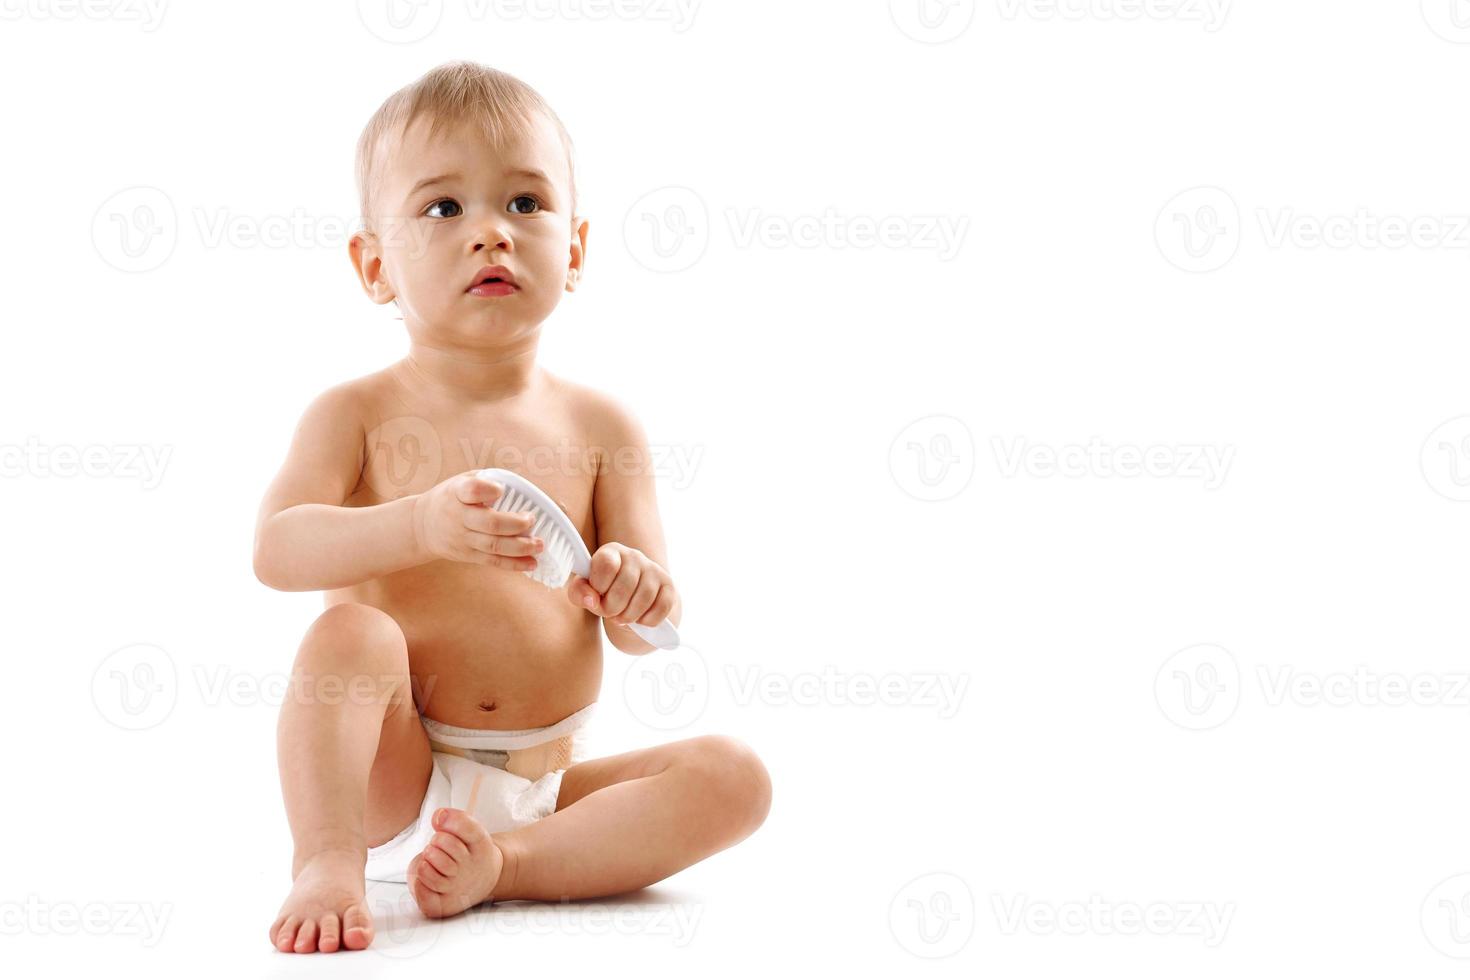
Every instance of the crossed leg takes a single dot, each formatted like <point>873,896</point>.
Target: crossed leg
<point>621,823</point>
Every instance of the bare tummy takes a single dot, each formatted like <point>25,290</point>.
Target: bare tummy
<point>487,647</point>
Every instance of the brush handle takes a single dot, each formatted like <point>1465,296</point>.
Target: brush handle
<point>663,636</point>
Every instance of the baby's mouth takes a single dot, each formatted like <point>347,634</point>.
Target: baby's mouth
<point>492,287</point>
<point>492,280</point>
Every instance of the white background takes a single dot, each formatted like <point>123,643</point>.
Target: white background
<point>1178,226</point>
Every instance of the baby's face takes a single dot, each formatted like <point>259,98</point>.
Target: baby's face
<point>449,208</point>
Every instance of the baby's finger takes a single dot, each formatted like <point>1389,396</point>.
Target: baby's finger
<point>604,568</point>
<point>503,544</point>
<point>474,489</point>
<point>498,550</point>
<point>615,599</point>
<point>488,521</point>
<point>659,611</point>
<point>578,592</point>
<point>641,599</point>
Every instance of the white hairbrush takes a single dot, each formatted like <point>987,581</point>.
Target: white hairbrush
<point>565,554</point>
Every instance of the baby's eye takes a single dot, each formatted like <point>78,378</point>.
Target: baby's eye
<point>524,197</point>
<point>438,209</point>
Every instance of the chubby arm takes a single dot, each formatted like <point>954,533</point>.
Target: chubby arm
<point>629,579</point>
<point>304,538</point>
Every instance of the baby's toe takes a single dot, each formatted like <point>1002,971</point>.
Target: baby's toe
<point>440,861</point>
<point>451,845</point>
<point>328,938</point>
<point>431,876</point>
<point>286,935</point>
<point>427,899</point>
<point>306,937</point>
<point>457,823</point>
<point>357,927</point>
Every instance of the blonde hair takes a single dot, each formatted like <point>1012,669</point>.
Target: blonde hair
<point>455,93</point>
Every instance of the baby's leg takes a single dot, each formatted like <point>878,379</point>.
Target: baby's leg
<point>620,823</point>
<point>354,762</point>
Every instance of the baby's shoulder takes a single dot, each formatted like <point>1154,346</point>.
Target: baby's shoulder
<point>369,398</point>
<point>607,418</point>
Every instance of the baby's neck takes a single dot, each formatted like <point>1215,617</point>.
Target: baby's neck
<point>478,376</point>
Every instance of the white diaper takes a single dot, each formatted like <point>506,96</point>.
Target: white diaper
<point>519,774</point>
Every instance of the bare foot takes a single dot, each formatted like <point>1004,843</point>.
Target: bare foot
<point>458,869</point>
<point>325,910</point>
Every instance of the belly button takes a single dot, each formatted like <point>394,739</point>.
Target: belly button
<point>487,705</point>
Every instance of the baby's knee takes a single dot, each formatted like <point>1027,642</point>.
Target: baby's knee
<point>737,783</point>
<point>355,634</point>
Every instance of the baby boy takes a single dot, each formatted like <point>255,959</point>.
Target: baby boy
<point>432,734</point>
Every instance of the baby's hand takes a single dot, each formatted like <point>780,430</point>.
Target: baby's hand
<point>625,586</point>
<point>454,521</point>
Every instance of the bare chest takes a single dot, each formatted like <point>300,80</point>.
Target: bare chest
<point>408,453</point>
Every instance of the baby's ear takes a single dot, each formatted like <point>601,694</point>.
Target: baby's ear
<point>367,259</point>
<point>579,254</point>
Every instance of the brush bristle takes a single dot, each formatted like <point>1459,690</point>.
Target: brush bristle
<point>554,564</point>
